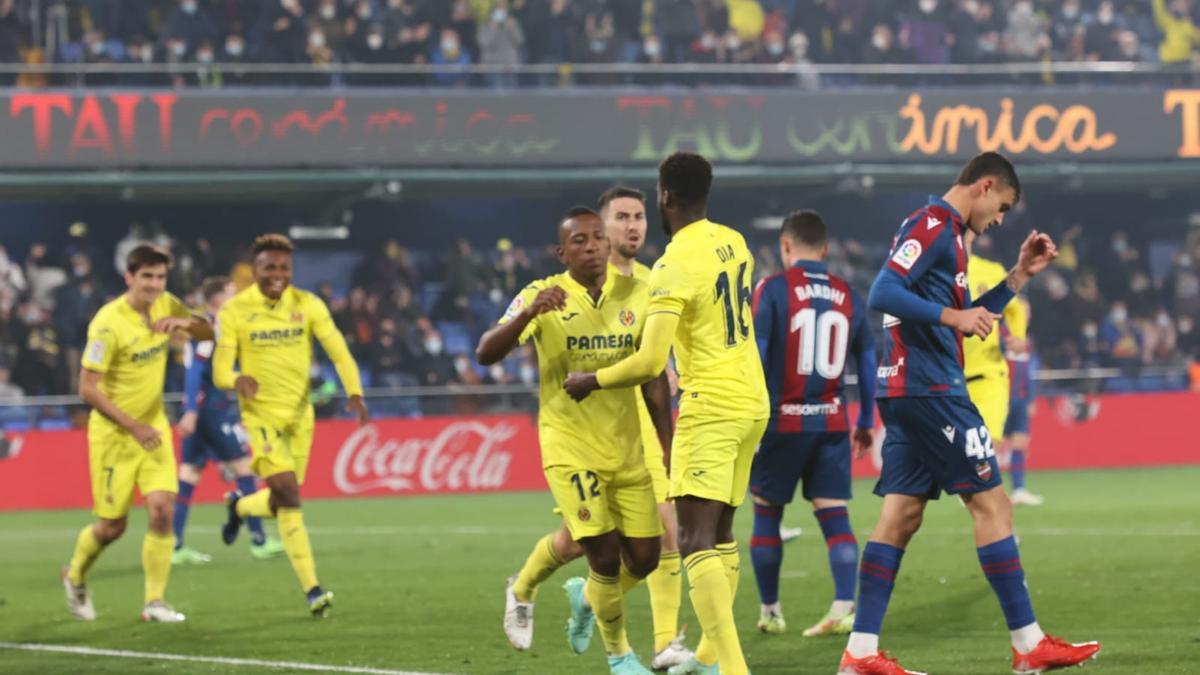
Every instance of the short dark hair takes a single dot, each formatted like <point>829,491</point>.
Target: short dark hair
<point>272,242</point>
<point>687,176</point>
<point>145,255</point>
<point>213,286</point>
<point>619,192</point>
<point>576,211</point>
<point>991,164</point>
<point>805,227</point>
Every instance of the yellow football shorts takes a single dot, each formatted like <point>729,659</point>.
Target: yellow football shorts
<point>990,396</point>
<point>593,503</point>
<point>118,463</point>
<point>275,451</point>
<point>711,457</point>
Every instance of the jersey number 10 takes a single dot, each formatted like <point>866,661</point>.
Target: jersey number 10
<point>725,293</point>
<point>822,342</point>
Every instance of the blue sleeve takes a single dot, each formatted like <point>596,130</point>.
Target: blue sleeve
<point>996,299</point>
<point>764,323</point>
<point>193,381</point>
<point>864,354</point>
<point>891,295</point>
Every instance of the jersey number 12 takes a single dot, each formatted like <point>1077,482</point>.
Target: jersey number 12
<point>822,342</point>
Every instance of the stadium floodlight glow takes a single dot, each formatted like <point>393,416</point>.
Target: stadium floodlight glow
<point>315,232</point>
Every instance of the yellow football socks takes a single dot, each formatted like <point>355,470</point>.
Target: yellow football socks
<point>541,563</point>
<point>731,559</point>
<point>713,604</point>
<point>257,505</point>
<point>295,542</point>
<point>607,601</point>
<point>156,563</point>
<point>87,549</point>
<point>626,580</point>
<point>665,598</point>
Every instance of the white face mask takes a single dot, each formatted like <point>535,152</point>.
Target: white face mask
<point>204,57</point>
<point>653,49</point>
<point>1089,331</point>
<point>927,6</point>
<point>147,53</point>
<point>433,346</point>
<point>497,372</point>
<point>188,7</point>
<point>317,40</point>
<point>328,12</point>
<point>97,48</point>
<point>450,46</point>
<point>880,42</point>
<point>499,16</point>
<point>1118,315</point>
<point>234,48</point>
<point>528,374</point>
<point>375,41</point>
<point>178,48</point>
<point>774,48</point>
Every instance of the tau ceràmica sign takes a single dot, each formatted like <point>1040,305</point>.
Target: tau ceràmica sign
<point>185,129</point>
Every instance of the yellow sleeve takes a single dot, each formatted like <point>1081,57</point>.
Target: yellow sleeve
<point>651,357</point>
<point>326,331</point>
<point>1016,318</point>
<point>523,299</point>
<point>101,347</point>
<point>223,374</point>
<point>670,288</point>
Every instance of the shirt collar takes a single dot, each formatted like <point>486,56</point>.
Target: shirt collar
<point>693,229</point>
<point>573,286</point>
<point>955,216</point>
<point>811,265</point>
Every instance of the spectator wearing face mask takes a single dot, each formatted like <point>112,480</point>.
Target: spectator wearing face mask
<point>325,18</point>
<point>233,53</point>
<point>1025,39</point>
<point>928,32</point>
<point>1101,42</point>
<point>500,43</point>
<point>191,24</point>
<point>882,48</point>
<point>1067,24</point>
<point>1121,338</point>
<point>206,73</point>
<point>371,48</point>
<point>281,32</point>
<point>449,52</point>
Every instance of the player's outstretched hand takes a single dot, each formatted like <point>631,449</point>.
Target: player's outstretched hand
<point>548,300</point>
<point>862,441</point>
<point>187,424</point>
<point>358,406</point>
<point>246,386</point>
<point>171,324</point>
<point>579,385</point>
<point>1037,252</point>
<point>147,436</point>
<point>976,321</point>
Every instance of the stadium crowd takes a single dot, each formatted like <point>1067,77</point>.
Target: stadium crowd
<point>413,317</point>
<point>207,39</point>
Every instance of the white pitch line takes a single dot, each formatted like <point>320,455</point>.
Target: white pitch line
<point>154,656</point>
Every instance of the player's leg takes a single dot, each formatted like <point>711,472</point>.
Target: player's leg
<point>157,479</point>
<point>229,443</point>
<point>774,475</point>
<point>194,457</point>
<point>827,486</point>
<point>550,553</point>
<point>1016,437</point>
<point>604,595</point>
<point>665,583</point>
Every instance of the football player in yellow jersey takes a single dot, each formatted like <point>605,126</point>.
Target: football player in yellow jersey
<point>129,438</point>
<point>700,302</point>
<point>268,329</point>
<point>587,318</point>
<point>984,363</point>
<point>623,210</point>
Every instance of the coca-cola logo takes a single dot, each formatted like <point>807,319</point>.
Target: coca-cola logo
<point>464,455</point>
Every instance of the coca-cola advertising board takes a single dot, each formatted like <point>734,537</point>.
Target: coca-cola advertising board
<point>494,453</point>
<point>390,457</point>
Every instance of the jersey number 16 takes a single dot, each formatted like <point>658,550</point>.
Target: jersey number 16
<point>726,293</point>
<point>822,341</point>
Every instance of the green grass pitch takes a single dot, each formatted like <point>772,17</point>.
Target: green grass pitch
<point>419,584</point>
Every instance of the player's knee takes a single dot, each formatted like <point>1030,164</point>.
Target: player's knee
<point>286,498</point>
<point>692,540</point>
<point>642,565</point>
<point>108,531</point>
<point>606,563</point>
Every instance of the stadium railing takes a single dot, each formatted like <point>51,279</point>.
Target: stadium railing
<point>583,74</point>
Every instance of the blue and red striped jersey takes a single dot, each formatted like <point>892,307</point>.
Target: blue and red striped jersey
<point>807,322</point>
<point>925,358</point>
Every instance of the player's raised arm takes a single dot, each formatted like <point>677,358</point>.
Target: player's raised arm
<point>1037,252</point>
<point>518,323</point>
<point>657,394</point>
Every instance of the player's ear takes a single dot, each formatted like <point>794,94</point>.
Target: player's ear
<point>128,279</point>
<point>825,251</point>
<point>562,254</point>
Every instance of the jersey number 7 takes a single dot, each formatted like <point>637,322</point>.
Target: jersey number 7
<point>725,293</point>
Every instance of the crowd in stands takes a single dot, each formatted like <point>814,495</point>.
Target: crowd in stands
<point>412,318</point>
<point>207,39</point>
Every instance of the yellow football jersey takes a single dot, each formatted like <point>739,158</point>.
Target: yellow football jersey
<point>272,342</point>
<point>704,277</point>
<point>986,357</point>
<point>583,337</point>
<point>132,358</point>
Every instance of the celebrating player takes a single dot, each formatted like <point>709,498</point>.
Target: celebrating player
<point>700,301</point>
<point>984,362</point>
<point>129,439</point>
<point>624,212</point>
<point>211,426</point>
<point>807,321</point>
<point>592,455</point>
<point>936,440</point>
<point>268,329</point>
